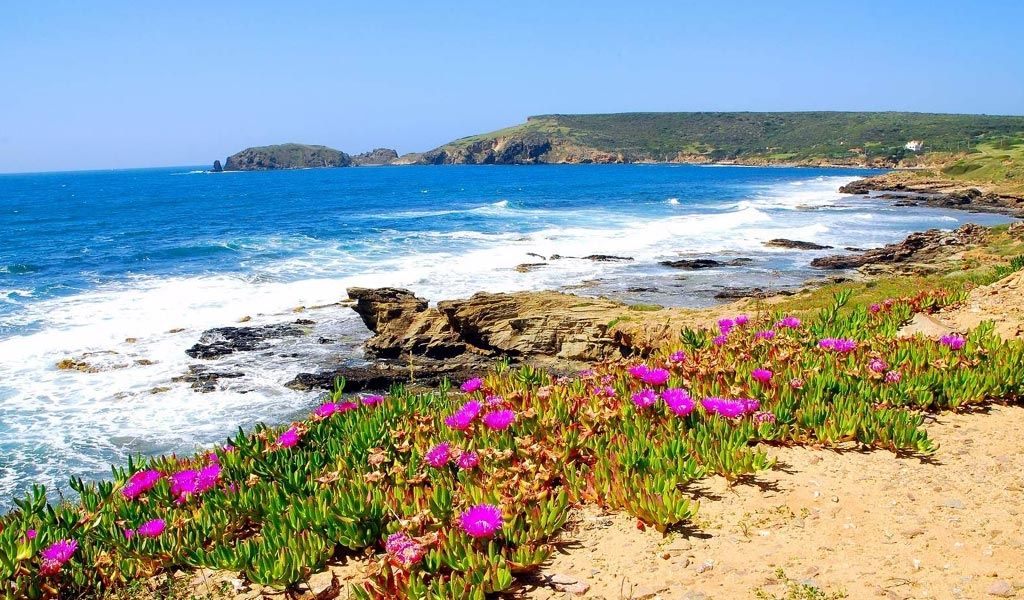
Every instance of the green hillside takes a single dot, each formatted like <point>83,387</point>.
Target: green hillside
<point>756,137</point>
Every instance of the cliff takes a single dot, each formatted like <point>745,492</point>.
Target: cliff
<point>377,156</point>
<point>286,156</point>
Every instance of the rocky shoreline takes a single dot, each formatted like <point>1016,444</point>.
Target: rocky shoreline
<point>910,188</point>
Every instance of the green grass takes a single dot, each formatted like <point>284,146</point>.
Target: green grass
<point>1000,163</point>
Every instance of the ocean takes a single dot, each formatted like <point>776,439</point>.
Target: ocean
<point>123,270</point>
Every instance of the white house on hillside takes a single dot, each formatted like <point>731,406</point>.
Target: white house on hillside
<point>914,145</point>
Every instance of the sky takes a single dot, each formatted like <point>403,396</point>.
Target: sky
<point>99,85</point>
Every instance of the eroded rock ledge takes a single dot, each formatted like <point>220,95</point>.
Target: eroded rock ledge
<point>921,253</point>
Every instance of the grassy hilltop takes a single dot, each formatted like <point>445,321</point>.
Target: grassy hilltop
<point>849,138</point>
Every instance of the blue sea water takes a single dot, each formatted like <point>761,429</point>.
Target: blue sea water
<point>125,269</point>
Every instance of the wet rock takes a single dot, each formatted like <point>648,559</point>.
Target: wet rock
<point>204,380</point>
<point>382,375</point>
<point>535,255</point>
<point>704,263</point>
<point>217,168</point>
<point>756,292</point>
<point>528,267</point>
<point>794,244</point>
<point>607,258</point>
<point>919,247</point>
<point>221,341</point>
<point>73,364</point>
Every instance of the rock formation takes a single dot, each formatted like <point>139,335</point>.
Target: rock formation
<point>286,156</point>
<point>794,244</point>
<point>921,252</point>
<point>377,156</point>
<point>217,168</point>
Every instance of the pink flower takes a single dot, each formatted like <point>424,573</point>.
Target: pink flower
<point>677,356</point>
<point>140,483</point>
<point>344,407</point>
<point>192,482</point>
<point>655,377</point>
<point>326,410</point>
<point>31,534</point>
<point>468,460</point>
<point>494,400</point>
<point>373,399</point>
<point>645,398</point>
<point>56,555</point>
<point>877,365</point>
<point>151,529</point>
<point>499,419</point>
<point>874,308</point>
<point>464,417</point>
<point>796,383</point>
<point>762,375</point>
<point>838,345</point>
<point>742,320</point>
<point>720,340</point>
<point>730,409</point>
<point>726,325</point>
<point>404,550</point>
<point>888,302</point>
<point>893,377</point>
<point>678,401</point>
<point>789,322</point>
<point>481,521</point>
<point>472,385</point>
<point>768,334</point>
<point>129,534</point>
<point>439,455</point>
<point>289,438</point>
<point>638,371</point>
<point>763,417</point>
<point>954,342</point>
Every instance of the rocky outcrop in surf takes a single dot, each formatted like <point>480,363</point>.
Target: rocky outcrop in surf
<point>286,156</point>
<point>920,253</point>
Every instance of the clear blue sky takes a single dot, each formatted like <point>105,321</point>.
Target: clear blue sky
<point>127,84</point>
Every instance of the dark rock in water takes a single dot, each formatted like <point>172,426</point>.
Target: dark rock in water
<point>222,341</point>
<point>384,374</point>
<point>535,255</point>
<point>203,379</point>
<point>286,156</point>
<point>527,267</point>
<point>304,322</point>
<point>558,257</point>
<point>794,244</point>
<point>920,246</point>
<point>904,203</point>
<point>852,249</point>
<point>323,340</point>
<point>705,263</point>
<point>755,292</point>
<point>216,167</point>
<point>377,156</point>
<point>638,290</point>
<point>607,258</point>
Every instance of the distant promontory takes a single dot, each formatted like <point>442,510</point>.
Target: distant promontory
<point>301,156</point>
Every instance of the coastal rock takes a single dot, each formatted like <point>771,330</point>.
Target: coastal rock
<point>755,292</point>
<point>918,247</point>
<point>523,324</point>
<point>383,374</point>
<point>217,168</point>
<point>527,267</point>
<point>286,156</point>
<point>794,244</point>
<point>377,156</point>
<point>704,263</point>
<point>221,341</point>
<point>914,189</point>
<point>205,380</point>
<point>607,258</point>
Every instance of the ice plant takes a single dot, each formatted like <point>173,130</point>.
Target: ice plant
<point>638,371</point>
<point>151,529</point>
<point>796,383</point>
<point>468,460</point>
<point>764,417</point>
<point>481,521</point>
<point>953,342</point>
<point>439,455</point>
<point>472,385</point>
<point>726,325</point>
<point>494,400</point>
<point>373,399</point>
<point>874,308</point>
<point>678,401</point>
<point>877,365</point>
<point>762,375</point>
<point>645,398</point>
<point>327,409</point>
<point>789,322</point>
<point>720,340</point>
<point>655,377</point>
<point>344,407</point>
<point>742,320</point>
<point>140,483</point>
<point>194,482</point>
<point>56,555</point>
<point>728,408</point>
<point>499,419</point>
<point>893,377</point>
<point>464,417</point>
<point>767,334</point>
<point>677,356</point>
<point>838,345</point>
<point>289,438</point>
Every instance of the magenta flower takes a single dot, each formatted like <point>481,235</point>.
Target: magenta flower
<point>404,550</point>
<point>720,340</point>
<point>954,342</point>
<point>326,410</point>
<point>464,417</point>
<point>655,377</point>
<point>888,302</point>
<point>481,521</point>
<point>499,419</point>
<point>838,345</point>
<point>56,555</point>
<point>645,398</point>
<point>874,308</point>
<point>439,455</point>
<point>677,356</point>
<point>129,534</point>
<point>767,334</point>
<point>730,409</point>
<point>762,375</point>
<point>726,325</point>
<point>140,483</point>
<point>893,377</point>
<point>494,400</point>
<point>638,371</point>
<point>763,417</point>
<point>789,322</point>
<point>877,365</point>
<point>31,534</point>
<point>289,438</point>
<point>194,482</point>
<point>373,399</point>
<point>468,460</point>
<point>151,529</point>
<point>678,401</point>
<point>344,407</point>
<point>742,320</point>
<point>472,385</point>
